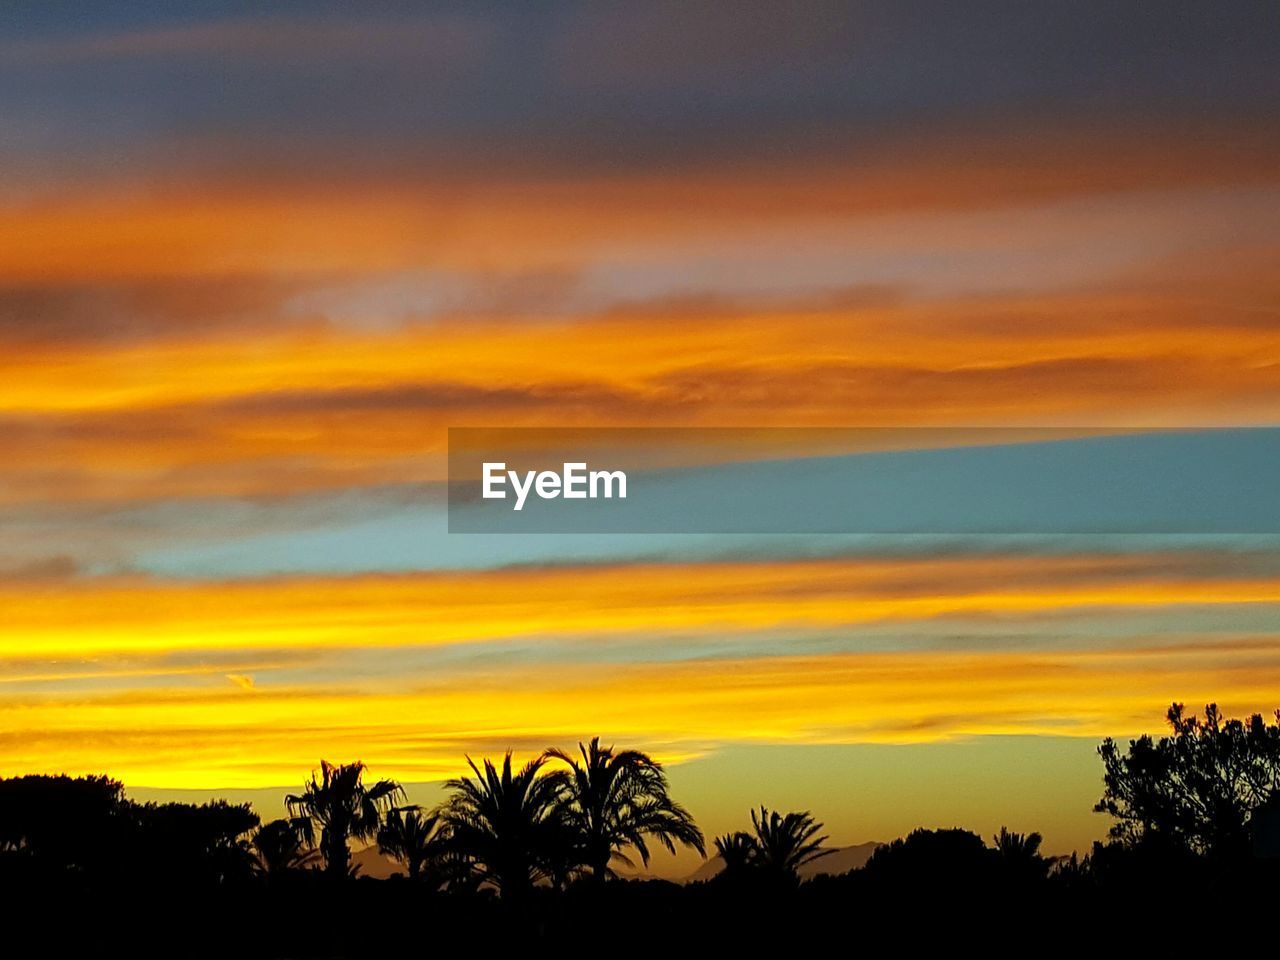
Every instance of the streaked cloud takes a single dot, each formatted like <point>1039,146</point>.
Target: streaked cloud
<point>253,266</point>
<point>452,607</point>
<point>701,654</point>
<point>183,739</point>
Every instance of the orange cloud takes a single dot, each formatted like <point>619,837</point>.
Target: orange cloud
<point>173,342</point>
<point>284,411</point>
<point>92,618</point>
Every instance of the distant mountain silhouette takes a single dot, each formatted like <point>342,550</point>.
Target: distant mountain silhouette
<point>842,860</point>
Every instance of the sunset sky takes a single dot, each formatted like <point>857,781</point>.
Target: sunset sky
<point>256,259</point>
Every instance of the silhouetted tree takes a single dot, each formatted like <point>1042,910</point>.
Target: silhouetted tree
<point>64,823</point>
<point>86,827</point>
<point>615,801</point>
<point>563,860</point>
<point>1142,865</point>
<point>736,850</point>
<point>504,823</point>
<point>1019,855</point>
<point>1195,788</point>
<point>933,858</point>
<point>412,838</point>
<point>280,847</point>
<point>344,808</point>
<point>777,846</point>
<point>202,842</point>
<point>1071,871</point>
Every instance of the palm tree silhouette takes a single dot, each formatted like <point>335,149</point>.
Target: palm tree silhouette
<point>505,823</point>
<point>1019,846</point>
<point>783,844</point>
<point>280,847</point>
<point>344,808</point>
<point>1020,852</point>
<point>413,838</point>
<point>613,801</point>
<point>738,851</point>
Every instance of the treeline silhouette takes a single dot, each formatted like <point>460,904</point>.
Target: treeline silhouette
<point>518,854</point>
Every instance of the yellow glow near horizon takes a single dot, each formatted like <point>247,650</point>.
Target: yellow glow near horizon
<point>121,698</point>
<point>237,737</point>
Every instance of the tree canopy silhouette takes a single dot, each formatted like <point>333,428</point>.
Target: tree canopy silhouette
<point>86,827</point>
<point>64,823</point>
<point>344,808</point>
<point>930,857</point>
<point>613,801</point>
<point>203,841</point>
<point>1196,788</point>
